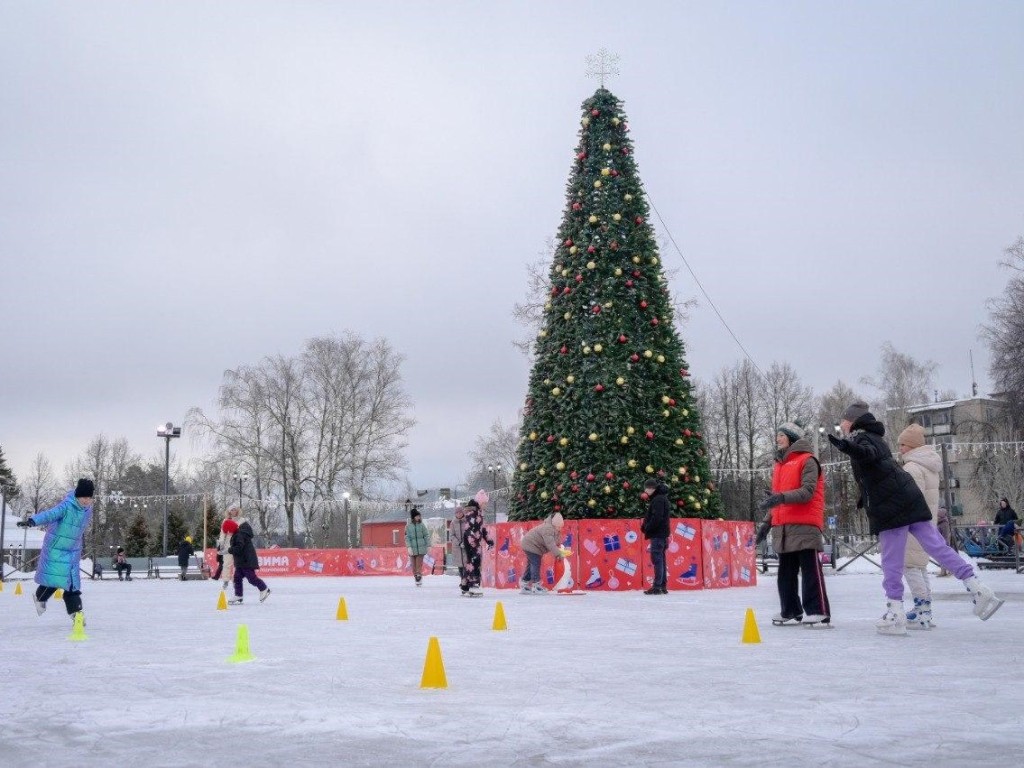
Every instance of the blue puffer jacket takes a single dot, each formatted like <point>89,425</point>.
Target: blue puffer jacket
<point>62,544</point>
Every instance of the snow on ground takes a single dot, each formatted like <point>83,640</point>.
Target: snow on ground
<point>606,679</point>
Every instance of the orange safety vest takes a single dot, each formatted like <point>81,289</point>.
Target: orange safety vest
<point>787,477</point>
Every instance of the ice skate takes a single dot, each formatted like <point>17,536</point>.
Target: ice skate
<point>818,620</point>
<point>985,601</point>
<point>225,585</point>
<point>476,592</point>
<point>235,601</point>
<point>40,605</point>
<point>781,621</point>
<point>894,620</point>
<point>419,581</point>
<point>525,587</point>
<point>539,590</point>
<point>264,594</point>
<point>920,616</point>
<point>655,591</point>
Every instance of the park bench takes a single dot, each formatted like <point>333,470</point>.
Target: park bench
<point>140,568</point>
<point>168,568</point>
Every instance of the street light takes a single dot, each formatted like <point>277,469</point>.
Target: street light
<point>167,431</point>
<point>240,478</point>
<point>494,469</point>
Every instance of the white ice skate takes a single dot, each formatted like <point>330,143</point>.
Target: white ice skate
<point>782,621</point>
<point>264,594</point>
<point>985,601</point>
<point>894,620</point>
<point>817,621</point>
<point>40,605</point>
<point>235,601</point>
<point>475,592</point>
<point>920,616</point>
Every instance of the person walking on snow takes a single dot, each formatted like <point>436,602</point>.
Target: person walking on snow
<point>655,527</point>
<point>58,566</point>
<point>473,541</point>
<point>542,540</point>
<point>796,513</point>
<point>246,560</point>
<point>417,541</point>
<point>185,551</point>
<point>924,464</point>
<point>896,508</point>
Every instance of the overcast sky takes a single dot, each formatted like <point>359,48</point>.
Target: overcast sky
<point>186,187</point>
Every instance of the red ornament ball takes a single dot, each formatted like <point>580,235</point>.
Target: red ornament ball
<point>568,242</point>
<point>596,309</point>
<point>591,249</point>
<point>634,358</point>
<point>643,304</point>
<point>595,112</point>
<point>590,477</point>
<point>650,435</point>
<point>629,283</point>
<point>564,350</point>
<point>599,388</point>
<point>577,207</point>
<point>639,220</point>
<point>623,338</point>
<point>625,485</point>
<point>654,321</point>
<point>609,476</point>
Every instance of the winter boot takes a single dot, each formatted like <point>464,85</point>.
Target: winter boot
<point>920,616</point>
<point>985,601</point>
<point>894,620</point>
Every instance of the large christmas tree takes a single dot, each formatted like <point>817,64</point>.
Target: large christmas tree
<point>610,402</point>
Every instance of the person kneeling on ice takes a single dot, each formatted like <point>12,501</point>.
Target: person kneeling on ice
<point>58,566</point>
<point>545,539</point>
<point>246,560</point>
<point>796,511</point>
<point>417,542</point>
<point>895,508</point>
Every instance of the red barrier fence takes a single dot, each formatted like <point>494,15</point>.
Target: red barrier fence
<point>608,555</point>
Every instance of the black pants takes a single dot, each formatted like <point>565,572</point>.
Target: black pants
<point>805,567</point>
<point>72,598</point>
<point>126,567</point>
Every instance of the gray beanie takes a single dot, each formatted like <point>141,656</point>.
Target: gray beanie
<point>792,430</point>
<point>855,411</point>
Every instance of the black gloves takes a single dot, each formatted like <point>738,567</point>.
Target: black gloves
<point>762,532</point>
<point>771,501</point>
<point>841,444</point>
<point>26,523</point>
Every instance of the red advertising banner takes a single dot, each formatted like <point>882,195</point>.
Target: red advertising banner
<point>509,560</point>
<point>716,535</point>
<point>611,555</point>
<point>744,554</point>
<point>379,561</point>
<point>684,557</point>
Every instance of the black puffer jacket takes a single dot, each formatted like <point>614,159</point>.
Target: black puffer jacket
<point>655,524</point>
<point>890,495</point>
<point>243,549</point>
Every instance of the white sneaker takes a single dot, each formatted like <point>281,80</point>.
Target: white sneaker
<point>985,601</point>
<point>264,594</point>
<point>40,605</point>
<point>894,620</point>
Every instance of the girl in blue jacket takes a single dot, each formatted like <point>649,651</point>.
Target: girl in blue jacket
<point>65,524</point>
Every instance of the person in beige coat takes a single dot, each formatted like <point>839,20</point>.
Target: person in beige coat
<point>227,570</point>
<point>542,540</point>
<point>924,464</point>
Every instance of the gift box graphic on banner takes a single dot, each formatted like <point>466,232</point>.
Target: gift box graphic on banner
<point>716,535</point>
<point>510,560</point>
<point>684,556</point>
<point>610,555</point>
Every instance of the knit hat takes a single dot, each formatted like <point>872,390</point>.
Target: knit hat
<point>473,503</point>
<point>414,513</point>
<point>557,520</point>
<point>912,436</point>
<point>229,526</point>
<point>792,430</point>
<point>188,539</point>
<point>855,411</point>
<point>85,489</point>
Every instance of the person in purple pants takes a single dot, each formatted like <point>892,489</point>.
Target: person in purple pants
<point>246,561</point>
<point>895,508</point>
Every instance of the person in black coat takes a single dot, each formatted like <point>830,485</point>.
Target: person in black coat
<point>655,527</point>
<point>185,551</point>
<point>247,562</point>
<point>1005,513</point>
<point>895,508</point>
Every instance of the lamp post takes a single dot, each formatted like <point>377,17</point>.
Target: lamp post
<point>240,478</point>
<point>167,431</point>
<point>348,527</point>
<point>494,469</point>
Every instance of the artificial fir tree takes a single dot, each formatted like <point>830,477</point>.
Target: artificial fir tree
<point>610,401</point>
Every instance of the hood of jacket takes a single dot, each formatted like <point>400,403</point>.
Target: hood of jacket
<point>803,445</point>
<point>869,423</point>
<point>926,456</point>
<point>661,490</point>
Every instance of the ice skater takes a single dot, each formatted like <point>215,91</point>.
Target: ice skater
<point>797,516</point>
<point>417,542</point>
<point>456,537</point>
<point>58,566</point>
<point>655,528</point>
<point>225,560</point>
<point>185,551</point>
<point>544,539</point>
<point>246,560</point>
<point>896,508</point>
<point>473,542</point>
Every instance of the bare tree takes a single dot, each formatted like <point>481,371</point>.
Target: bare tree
<point>902,381</point>
<point>786,398</point>
<point>40,489</point>
<point>1005,332</point>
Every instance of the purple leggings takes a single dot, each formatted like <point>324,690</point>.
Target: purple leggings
<point>250,574</point>
<point>894,545</point>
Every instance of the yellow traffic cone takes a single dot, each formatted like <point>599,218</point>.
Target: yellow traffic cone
<point>222,601</point>
<point>242,652</point>
<point>59,594</point>
<point>17,589</point>
<point>499,617</point>
<point>750,631</point>
<point>342,610</point>
<point>78,629</point>
<point>433,667</point>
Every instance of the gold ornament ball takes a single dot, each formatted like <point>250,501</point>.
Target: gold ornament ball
<point>615,121</point>
<point>682,470</point>
<point>616,217</point>
<point>563,442</point>
<point>654,260</point>
<point>690,498</point>
<point>666,413</point>
<point>685,412</point>
<point>567,316</point>
<point>665,399</point>
<point>648,353</point>
<point>556,391</point>
<point>630,430</point>
<point>661,358</point>
<point>679,441</point>
<point>606,171</point>
<point>547,382</point>
<point>570,378</point>
<point>649,469</point>
<point>533,435</point>
<point>636,259</point>
<point>585,121</point>
<point>607,489</point>
<point>592,436</point>
<point>560,466</point>
<point>618,271</point>
<point>543,494</point>
<point>631,463</point>
<point>606,147</point>
<point>591,503</point>
<point>620,381</point>
<point>624,440</point>
<point>547,305</point>
<point>591,264</point>
<point>572,249</point>
<point>607,305</point>
<point>592,219</point>
<point>696,505</point>
<point>586,350</point>
<point>542,471</point>
<point>523,465</point>
<point>696,478</point>
<point>597,184</point>
<point>598,348</point>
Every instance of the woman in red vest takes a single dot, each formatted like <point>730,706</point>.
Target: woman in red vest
<point>797,510</point>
